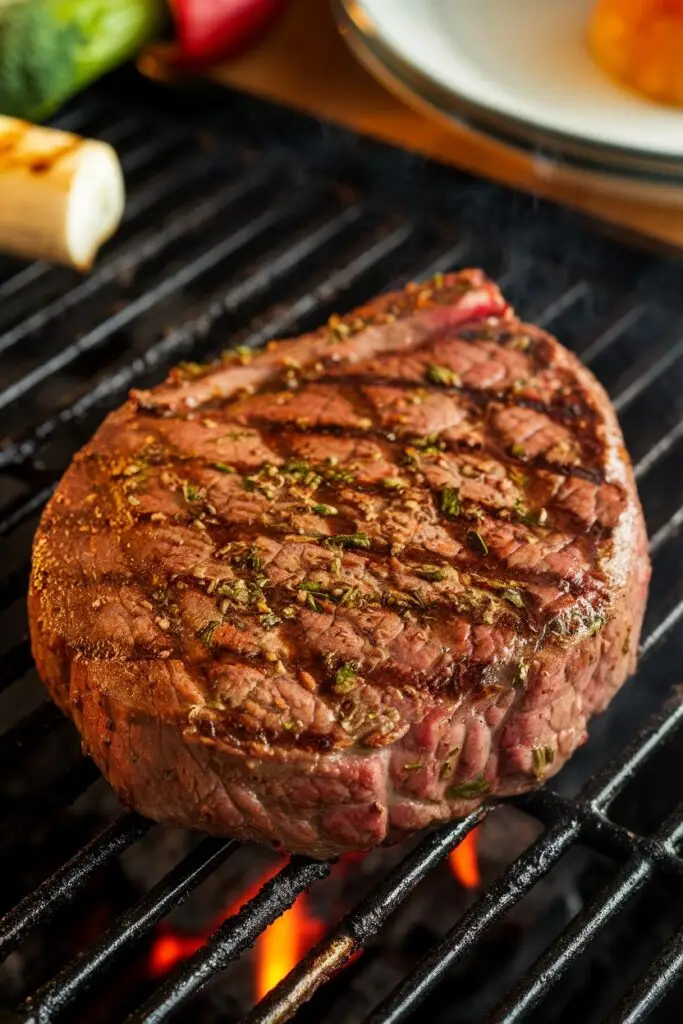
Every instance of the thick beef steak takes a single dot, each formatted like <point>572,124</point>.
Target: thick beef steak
<point>350,586</point>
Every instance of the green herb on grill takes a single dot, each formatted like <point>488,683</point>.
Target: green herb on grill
<point>434,573</point>
<point>450,502</point>
<point>205,634</point>
<point>324,510</point>
<point>345,678</point>
<point>541,758</point>
<point>348,540</point>
<point>469,790</point>
<point>442,375</point>
<point>191,492</point>
<point>513,596</point>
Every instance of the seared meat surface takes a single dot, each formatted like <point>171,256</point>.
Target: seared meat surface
<point>350,586</point>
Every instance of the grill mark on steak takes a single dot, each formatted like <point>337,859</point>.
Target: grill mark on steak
<point>560,410</point>
<point>497,578</point>
<point>271,428</point>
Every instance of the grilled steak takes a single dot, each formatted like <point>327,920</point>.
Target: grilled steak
<point>350,586</point>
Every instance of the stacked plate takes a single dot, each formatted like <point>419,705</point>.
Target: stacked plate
<point>520,71</point>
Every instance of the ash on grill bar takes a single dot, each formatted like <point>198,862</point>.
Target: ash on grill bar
<point>245,223</point>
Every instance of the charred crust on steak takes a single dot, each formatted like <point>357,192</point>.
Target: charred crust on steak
<point>423,507</point>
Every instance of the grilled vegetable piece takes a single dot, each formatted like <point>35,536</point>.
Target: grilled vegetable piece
<point>61,196</point>
<point>50,49</point>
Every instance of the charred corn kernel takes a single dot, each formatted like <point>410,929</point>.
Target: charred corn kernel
<point>640,42</point>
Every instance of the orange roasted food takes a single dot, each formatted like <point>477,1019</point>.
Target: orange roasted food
<point>640,42</point>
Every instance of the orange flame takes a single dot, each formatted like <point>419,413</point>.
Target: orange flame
<point>169,949</point>
<point>283,944</point>
<point>464,863</point>
<point>278,949</point>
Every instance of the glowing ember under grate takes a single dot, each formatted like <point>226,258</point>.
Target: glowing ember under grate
<point>464,862</point>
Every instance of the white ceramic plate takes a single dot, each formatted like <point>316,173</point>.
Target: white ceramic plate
<point>521,70</point>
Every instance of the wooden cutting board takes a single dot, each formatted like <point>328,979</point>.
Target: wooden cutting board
<point>304,63</point>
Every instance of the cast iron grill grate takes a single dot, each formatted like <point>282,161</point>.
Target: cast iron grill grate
<point>258,224</point>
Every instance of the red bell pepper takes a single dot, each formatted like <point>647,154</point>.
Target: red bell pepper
<point>209,30</point>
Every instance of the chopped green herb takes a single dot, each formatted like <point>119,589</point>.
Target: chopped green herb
<point>191,492</point>
<point>541,757</point>
<point>292,725</point>
<point>596,625</point>
<point>518,450</point>
<point>430,444</point>
<point>222,467</point>
<point>402,599</point>
<point>324,510</point>
<point>394,483</point>
<point>348,540</point>
<point>297,467</point>
<point>442,375</point>
<point>450,502</point>
<point>431,572</point>
<point>447,766</point>
<point>270,620</point>
<point>523,515</point>
<point>250,558</point>
<point>289,612</point>
<point>249,483</point>
<point>311,587</point>
<point>476,542</point>
<point>312,603</point>
<point>349,597</point>
<point>345,678</point>
<point>513,596</point>
<point>468,790</point>
<point>520,342</point>
<point>205,634</point>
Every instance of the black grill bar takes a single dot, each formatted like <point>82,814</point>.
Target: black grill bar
<point>56,995</point>
<point>608,783</point>
<point>661,630</point>
<point>360,925</point>
<point>135,254</point>
<point>649,991</point>
<point>63,885</point>
<point>658,451</point>
<point>514,883</point>
<point>587,924</point>
<point>169,286</point>
<point>550,967</point>
<point>654,370</point>
<point>232,938</point>
<point>604,835</point>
